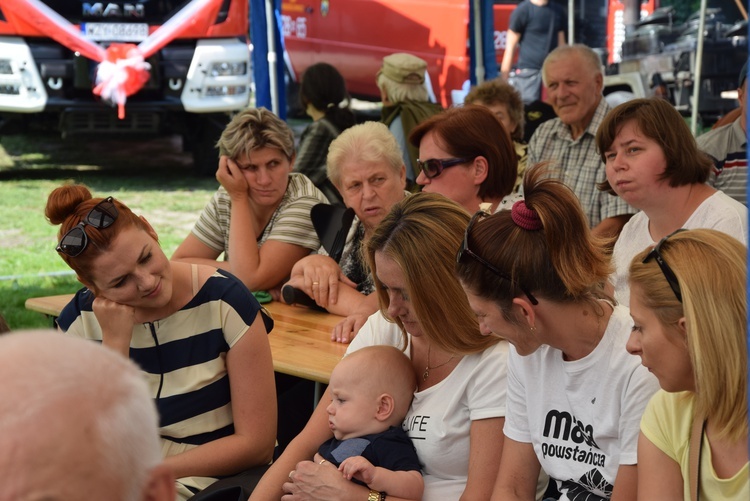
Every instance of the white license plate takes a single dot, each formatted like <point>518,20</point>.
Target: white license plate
<point>115,32</point>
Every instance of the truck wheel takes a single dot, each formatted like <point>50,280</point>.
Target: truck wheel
<point>203,145</point>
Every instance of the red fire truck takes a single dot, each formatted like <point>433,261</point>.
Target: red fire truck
<point>196,80</point>
<point>355,35</point>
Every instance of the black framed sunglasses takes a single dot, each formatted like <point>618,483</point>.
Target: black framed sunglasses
<point>665,269</point>
<point>433,167</point>
<point>75,240</point>
<point>464,251</point>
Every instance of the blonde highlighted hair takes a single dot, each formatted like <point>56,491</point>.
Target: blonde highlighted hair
<point>256,128</point>
<point>422,234</point>
<point>715,310</point>
<point>369,142</point>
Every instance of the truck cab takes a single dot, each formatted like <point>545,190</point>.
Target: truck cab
<point>195,81</point>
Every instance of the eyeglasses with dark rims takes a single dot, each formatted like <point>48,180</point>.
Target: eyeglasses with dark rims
<point>464,252</point>
<point>75,240</point>
<point>655,254</point>
<point>433,167</point>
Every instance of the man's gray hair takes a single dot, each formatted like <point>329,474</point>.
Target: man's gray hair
<point>51,377</point>
<point>586,53</point>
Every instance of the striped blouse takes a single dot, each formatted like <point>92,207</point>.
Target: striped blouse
<point>184,355</point>
<point>290,223</point>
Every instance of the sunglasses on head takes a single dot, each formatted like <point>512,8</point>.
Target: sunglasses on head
<point>665,269</point>
<point>433,167</point>
<point>464,251</point>
<point>75,240</point>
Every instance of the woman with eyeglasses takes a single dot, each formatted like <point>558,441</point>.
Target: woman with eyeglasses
<point>455,420</point>
<point>504,101</point>
<point>690,331</point>
<point>196,331</point>
<point>466,155</point>
<point>653,163</point>
<point>534,275</point>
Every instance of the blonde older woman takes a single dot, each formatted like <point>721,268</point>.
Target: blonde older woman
<point>366,166</point>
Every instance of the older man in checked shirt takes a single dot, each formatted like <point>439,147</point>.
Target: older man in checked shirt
<point>574,80</point>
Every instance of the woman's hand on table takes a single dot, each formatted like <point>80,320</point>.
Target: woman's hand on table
<point>345,330</point>
<point>319,276</point>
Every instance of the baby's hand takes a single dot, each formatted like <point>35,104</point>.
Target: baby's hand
<point>359,468</point>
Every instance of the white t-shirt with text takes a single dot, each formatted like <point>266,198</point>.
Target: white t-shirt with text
<point>582,417</point>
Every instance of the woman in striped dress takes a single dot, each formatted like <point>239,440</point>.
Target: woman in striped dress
<point>196,331</point>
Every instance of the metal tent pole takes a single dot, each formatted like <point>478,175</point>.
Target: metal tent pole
<point>571,21</point>
<point>698,70</point>
<point>479,71</point>
<point>270,28</point>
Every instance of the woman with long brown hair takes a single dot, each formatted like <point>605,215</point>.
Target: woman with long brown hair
<point>456,417</point>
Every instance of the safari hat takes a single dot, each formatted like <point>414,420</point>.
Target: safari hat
<point>404,68</point>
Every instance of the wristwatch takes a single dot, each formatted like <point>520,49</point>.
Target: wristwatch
<point>376,496</point>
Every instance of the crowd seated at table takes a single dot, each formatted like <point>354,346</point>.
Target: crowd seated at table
<point>539,321</point>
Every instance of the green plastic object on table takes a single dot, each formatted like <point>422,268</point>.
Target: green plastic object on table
<point>263,297</point>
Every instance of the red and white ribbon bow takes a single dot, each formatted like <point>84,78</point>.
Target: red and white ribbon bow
<point>122,69</point>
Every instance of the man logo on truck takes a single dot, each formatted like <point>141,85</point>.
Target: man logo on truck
<point>112,10</point>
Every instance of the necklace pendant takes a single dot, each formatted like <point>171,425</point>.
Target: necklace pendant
<point>426,374</point>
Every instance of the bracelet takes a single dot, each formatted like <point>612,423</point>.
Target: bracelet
<point>376,496</point>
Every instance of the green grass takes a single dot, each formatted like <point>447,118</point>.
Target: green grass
<point>153,177</point>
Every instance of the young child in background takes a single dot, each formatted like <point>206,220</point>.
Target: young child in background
<point>372,390</point>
